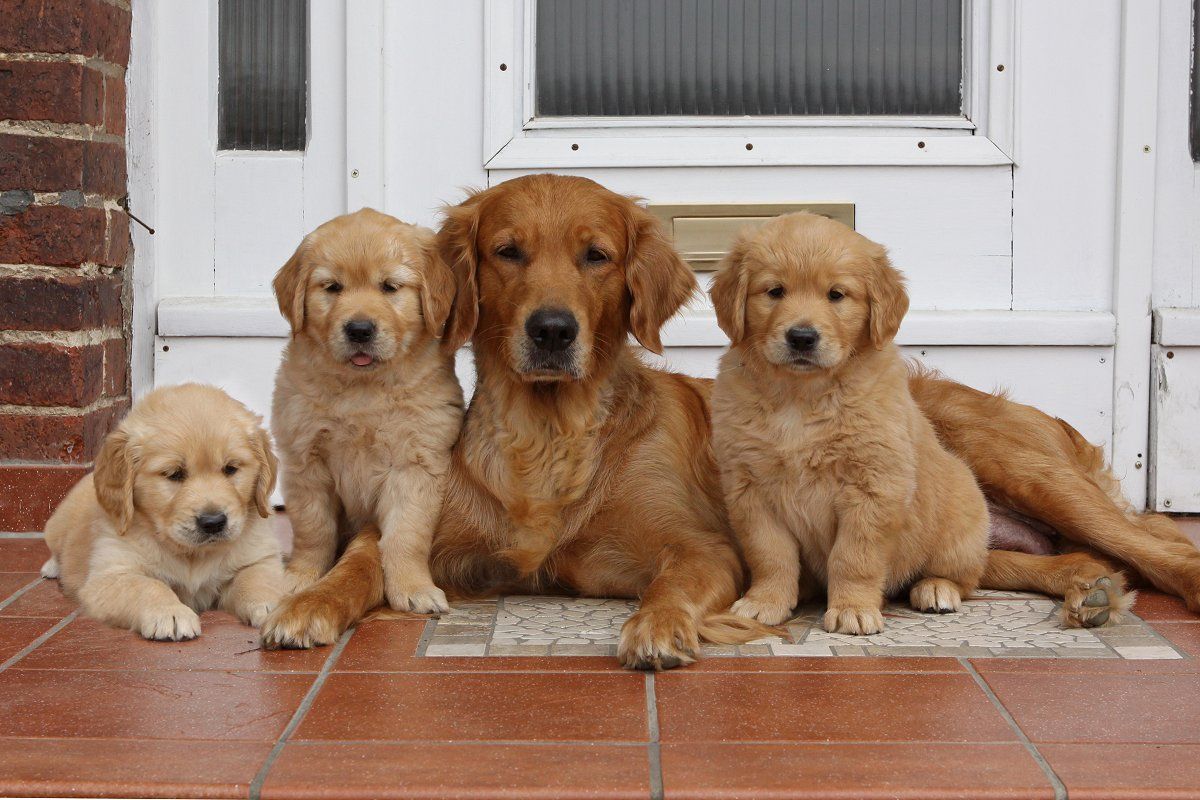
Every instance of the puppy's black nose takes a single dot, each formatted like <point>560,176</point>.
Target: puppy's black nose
<point>211,522</point>
<point>360,331</point>
<point>801,339</point>
<point>552,329</point>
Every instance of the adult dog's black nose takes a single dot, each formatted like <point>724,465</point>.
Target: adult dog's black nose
<point>802,339</point>
<point>360,331</point>
<point>211,523</point>
<point>552,329</point>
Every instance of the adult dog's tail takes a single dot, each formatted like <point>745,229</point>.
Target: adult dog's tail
<point>727,628</point>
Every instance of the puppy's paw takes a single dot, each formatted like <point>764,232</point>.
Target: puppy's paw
<point>767,610</point>
<point>172,624</point>
<point>658,639</point>
<point>50,568</point>
<point>935,596</point>
<point>854,621</point>
<point>426,599</point>
<point>300,622</point>
<point>255,613</point>
<point>1096,598</point>
<point>297,578</point>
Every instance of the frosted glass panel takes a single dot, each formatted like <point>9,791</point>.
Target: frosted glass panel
<point>748,57</point>
<point>263,74</point>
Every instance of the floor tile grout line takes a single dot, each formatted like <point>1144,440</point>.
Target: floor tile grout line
<point>310,697</point>
<point>15,596</point>
<point>29,648</point>
<point>653,749</point>
<point>20,535</point>
<point>1060,788</point>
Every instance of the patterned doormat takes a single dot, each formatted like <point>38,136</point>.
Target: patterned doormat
<point>993,625</point>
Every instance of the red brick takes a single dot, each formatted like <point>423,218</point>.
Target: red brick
<point>69,302</point>
<point>70,439</point>
<point>87,27</point>
<point>51,92</point>
<point>51,374</point>
<point>28,495</point>
<point>114,105</point>
<point>119,243</point>
<point>104,169</point>
<point>40,163</point>
<point>53,235</point>
<point>116,367</point>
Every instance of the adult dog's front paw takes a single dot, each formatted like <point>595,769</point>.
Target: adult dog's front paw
<point>419,599</point>
<point>853,621</point>
<point>658,639</point>
<point>171,624</point>
<point>767,610</point>
<point>301,621</point>
<point>1096,598</point>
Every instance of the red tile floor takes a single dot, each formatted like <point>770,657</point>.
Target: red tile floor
<point>86,710</point>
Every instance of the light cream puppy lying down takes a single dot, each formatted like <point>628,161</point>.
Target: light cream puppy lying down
<point>174,519</point>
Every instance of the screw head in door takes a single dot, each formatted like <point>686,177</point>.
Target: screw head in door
<point>503,67</point>
<point>1167,503</point>
<point>1137,465</point>
<point>1146,149</point>
<point>353,173</point>
<point>999,68</point>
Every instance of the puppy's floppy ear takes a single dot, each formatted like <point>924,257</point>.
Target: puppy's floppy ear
<point>658,281</point>
<point>290,284</point>
<point>887,297</point>
<point>268,466</point>
<point>456,248</point>
<point>729,290</point>
<point>437,286</point>
<point>113,479</point>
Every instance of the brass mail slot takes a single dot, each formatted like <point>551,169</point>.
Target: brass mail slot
<point>703,233</point>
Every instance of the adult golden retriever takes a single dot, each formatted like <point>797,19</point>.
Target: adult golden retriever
<point>582,469</point>
<point>174,519</point>
<point>832,474</point>
<point>366,409</point>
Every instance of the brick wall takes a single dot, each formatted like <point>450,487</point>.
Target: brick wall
<point>65,252</point>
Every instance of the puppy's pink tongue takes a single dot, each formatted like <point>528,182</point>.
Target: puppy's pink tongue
<point>360,359</point>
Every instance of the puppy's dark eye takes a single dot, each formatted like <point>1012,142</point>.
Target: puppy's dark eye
<point>776,292</point>
<point>510,252</point>
<point>230,469</point>
<point>596,256</point>
<point>388,287</point>
<point>835,295</point>
<point>178,475</point>
<point>333,287</point>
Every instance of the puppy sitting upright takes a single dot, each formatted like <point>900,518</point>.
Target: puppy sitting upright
<point>173,520</point>
<point>366,409</point>
<point>825,458</point>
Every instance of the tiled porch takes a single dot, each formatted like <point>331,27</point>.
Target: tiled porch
<point>88,710</point>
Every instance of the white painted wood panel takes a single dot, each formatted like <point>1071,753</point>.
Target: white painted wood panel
<point>259,218</point>
<point>1175,429</point>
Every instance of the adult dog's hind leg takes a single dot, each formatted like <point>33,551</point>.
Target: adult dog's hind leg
<point>319,614</point>
<point>1092,593</point>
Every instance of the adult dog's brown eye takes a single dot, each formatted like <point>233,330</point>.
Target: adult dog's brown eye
<point>388,287</point>
<point>596,256</point>
<point>178,475</point>
<point>333,288</point>
<point>835,295</point>
<point>776,292</point>
<point>510,252</point>
<point>230,469</point>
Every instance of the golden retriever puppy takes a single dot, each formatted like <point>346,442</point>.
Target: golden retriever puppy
<point>826,459</point>
<point>366,410</point>
<point>173,519</point>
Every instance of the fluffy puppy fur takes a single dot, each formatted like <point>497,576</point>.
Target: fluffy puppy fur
<point>173,520</point>
<point>826,459</point>
<point>366,409</point>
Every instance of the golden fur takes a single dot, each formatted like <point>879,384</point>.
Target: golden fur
<point>364,428</point>
<point>827,462</point>
<point>126,542</point>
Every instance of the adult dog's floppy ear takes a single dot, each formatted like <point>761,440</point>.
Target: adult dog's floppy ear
<point>658,281</point>
<point>729,290</point>
<point>268,467</point>
<point>113,479</point>
<point>290,284</point>
<point>457,249</point>
<point>437,285</point>
<point>887,298</point>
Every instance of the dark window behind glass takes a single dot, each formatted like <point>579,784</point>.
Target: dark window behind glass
<point>263,74</point>
<point>748,57</point>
